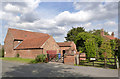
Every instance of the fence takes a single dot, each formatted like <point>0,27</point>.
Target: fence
<point>99,62</point>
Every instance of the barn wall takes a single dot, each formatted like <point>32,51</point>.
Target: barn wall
<point>50,44</point>
<point>8,45</point>
<point>31,53</point>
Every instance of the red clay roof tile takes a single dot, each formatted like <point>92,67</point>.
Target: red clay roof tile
<point>110,37</point>
<point>21,34</point>
<point>32,43</point>
<point>62,44</point>
<point>30,39</point>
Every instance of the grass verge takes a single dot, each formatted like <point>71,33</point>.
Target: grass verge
<point>22,60</point>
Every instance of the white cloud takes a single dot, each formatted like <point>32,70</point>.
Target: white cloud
<point>87,25</point>
<point>12,8</point>
<point>71,18</point>
<point>110,23</point>
<point>24,16</point>
<point>99,10</point>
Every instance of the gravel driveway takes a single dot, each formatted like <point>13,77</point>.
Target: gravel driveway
<point>15,69</point>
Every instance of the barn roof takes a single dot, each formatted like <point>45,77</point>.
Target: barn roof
<point>32,43</point>
<point>30,40</point>
<point>21,34</point>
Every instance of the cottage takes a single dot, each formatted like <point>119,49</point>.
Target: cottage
<point>28,44</point>
<point>67,47</point>
<point>108,37</point>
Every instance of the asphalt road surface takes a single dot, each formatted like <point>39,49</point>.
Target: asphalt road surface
<point>15,69</point>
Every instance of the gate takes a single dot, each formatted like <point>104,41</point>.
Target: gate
<point>53,56</point>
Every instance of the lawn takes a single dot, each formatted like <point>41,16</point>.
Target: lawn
<point>15,59</point>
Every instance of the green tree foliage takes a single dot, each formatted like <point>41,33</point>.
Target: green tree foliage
<point>83,36</point>
<point>113,46</point>
<point>91,47</point>
<point>73,33</point>
<point>106,47</point>
<point>80,40</point>
<point>118,46</point>
<point>1,51</point>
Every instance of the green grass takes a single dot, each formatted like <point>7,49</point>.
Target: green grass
<point>14,59</point>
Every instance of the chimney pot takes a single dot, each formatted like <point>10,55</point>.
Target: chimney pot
<point>112,34</point>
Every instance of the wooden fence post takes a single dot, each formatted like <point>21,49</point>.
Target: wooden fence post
<point>105,62</point>
<point>77,59</point>
<point>93,63</point>
<point>115,62</point>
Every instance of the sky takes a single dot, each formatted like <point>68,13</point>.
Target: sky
<point>57,18</point>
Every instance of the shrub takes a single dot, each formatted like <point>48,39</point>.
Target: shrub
<point>2,52</point>
<point>17,55</point>
<point>40,58</point>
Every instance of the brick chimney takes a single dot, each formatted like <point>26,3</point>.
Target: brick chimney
<point>112,34</point>
<point>102,32</point>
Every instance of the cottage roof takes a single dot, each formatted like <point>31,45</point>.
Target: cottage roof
<point>64,44</point>
<point>29,39</point>
<point>110,37</point>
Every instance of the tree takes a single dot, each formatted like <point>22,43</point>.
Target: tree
<point>113,46</point>
<point>118,46</point>
<point>91,47</point>
<point>73,33</point>
<point>106,48</point>
<point>83,36</point>
<point>81,39</point>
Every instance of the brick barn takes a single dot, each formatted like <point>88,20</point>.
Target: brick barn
<point>28,44</point>
<point>67,47</point>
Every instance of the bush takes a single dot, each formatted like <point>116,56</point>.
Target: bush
<point>17,55</point>
<point>2,52</point>
<point>40,58</point>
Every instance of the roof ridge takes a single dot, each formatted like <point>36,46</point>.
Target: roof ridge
<point>25,31</point>
<point>37,37</point>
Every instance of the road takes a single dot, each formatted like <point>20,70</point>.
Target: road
<point>15,69</point>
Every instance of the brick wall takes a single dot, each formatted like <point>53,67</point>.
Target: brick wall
<point>28,53</point>
<point>63,48</point>
<point>70,60</point>
<point>8,45</point>
<point>50,44</point>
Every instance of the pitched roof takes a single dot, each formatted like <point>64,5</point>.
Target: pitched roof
<point>30,39</point>
<point>110,37</point>
<point>21,34</point>
<point>64,44</point>
<point>32,43</point>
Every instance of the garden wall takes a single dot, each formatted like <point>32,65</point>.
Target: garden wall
<point>70,60</point>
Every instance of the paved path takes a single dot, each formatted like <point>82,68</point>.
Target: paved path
<point>14,69</point>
